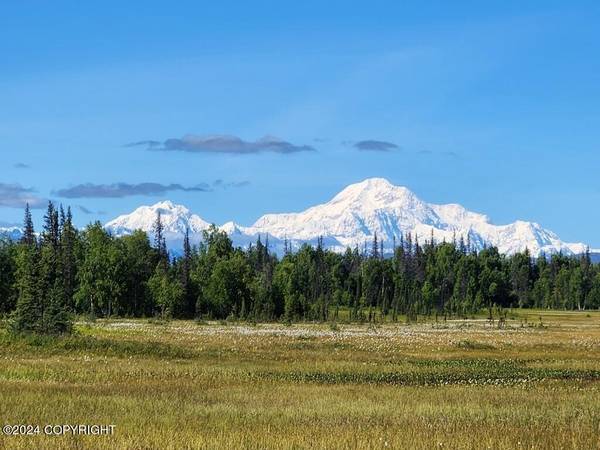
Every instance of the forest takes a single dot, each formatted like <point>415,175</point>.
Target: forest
<point>50,277</point>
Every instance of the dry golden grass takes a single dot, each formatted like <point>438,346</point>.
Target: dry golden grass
<point>456,384</point>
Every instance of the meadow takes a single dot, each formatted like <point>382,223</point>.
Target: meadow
<point>531,382</point>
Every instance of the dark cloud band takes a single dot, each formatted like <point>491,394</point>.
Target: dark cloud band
<point>119,190</point>
<point>223,144</point>
<point>375,146</point>
<point>17,196</point>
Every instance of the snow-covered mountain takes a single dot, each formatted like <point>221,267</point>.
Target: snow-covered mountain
<point>10,231</point>
<point>352,218</point>
<point>376,206</point>
<point>176,219</point>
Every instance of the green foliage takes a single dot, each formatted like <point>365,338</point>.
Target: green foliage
<point>44,280</point>
<point>167,293</point>
<point>100,274</point>
<point>7,277</point>
<point>78,344</point>
<point>27,316</point>
<point>41,291</point>
<point>228,287</point>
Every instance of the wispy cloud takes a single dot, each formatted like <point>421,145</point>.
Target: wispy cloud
<point>87,211</point>
<point>371,145</point>
<point>17,196</point>
<point>446,154</point>
<point>21,165</point>
<point>452,155</point>
<point>223,144</point>
<point>230,184</point>
<point>119,190</point>
<point>149,144</point>
<point>84,210</point>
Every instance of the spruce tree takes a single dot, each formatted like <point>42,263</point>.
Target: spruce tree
<point>375,248</point>
<point>55,316</point>
<point>28,231</point>
<point>68,242</point>
<point>27,317</point>
<point>186,281</point>
<point>160,243</point>
<point>28,314</point>
<point>41,301</point>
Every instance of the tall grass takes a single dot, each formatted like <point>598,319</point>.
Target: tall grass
<point>184,385</point>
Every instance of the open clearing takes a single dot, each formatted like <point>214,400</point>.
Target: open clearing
<point>456,384</point>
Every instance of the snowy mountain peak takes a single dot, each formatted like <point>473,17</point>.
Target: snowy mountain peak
<point>232,228</point>
<point>10,231</point>
<point>352,218</point>
<point>371,184</point>
<point>376,206</point>
<point>373,191</point>
<point>167,205</point>
<point>176,219</point>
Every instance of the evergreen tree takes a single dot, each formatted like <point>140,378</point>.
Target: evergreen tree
<point>7,276</point>
<point>68,250</point>
<point>160,243</point>
<point>28,314</point>
<point>55,316</point>
<point>186,279</point>
<point>43,280</point>
<point>28,231</point>
<point>375,247</point>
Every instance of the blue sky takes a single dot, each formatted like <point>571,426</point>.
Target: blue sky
<point>493,106</point>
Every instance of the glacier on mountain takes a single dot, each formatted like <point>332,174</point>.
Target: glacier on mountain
<point>351,219</point>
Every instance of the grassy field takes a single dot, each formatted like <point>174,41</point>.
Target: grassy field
<point>178,385</point>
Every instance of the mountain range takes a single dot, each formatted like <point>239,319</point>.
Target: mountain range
<point>12,231</point>
<point>350,219</point>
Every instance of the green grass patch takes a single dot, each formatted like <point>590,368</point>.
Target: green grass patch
<point>464,385</point>
<point>474,345</point>
<point>101,346</point>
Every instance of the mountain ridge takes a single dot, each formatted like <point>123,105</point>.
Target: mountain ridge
<point>352,217</point>
<point>349,219</point>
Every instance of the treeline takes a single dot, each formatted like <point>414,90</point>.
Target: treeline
<point>48,277</point>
